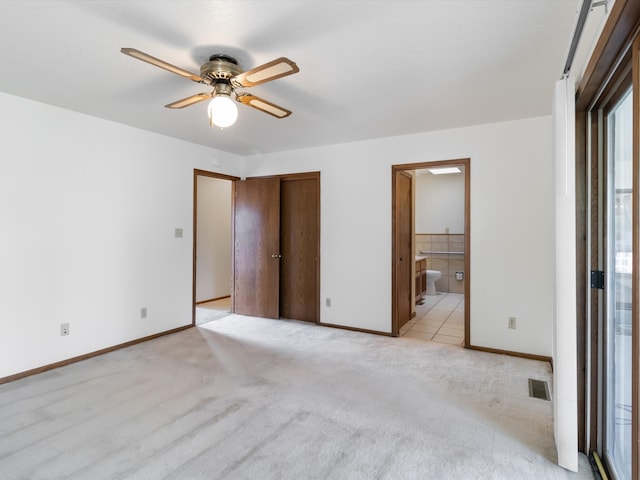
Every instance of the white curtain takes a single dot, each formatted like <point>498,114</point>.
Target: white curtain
<point>565,381</point>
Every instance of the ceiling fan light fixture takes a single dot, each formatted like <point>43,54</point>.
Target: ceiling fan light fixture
<point>223,111</point>
<point>224,75</point>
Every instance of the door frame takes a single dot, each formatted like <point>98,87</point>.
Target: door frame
<point>466,163</point>
<point>593,422</point>
<point>205,173</point>
<point>615,41</point>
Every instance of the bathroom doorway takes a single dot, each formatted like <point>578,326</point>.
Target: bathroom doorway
<point>440,254</point>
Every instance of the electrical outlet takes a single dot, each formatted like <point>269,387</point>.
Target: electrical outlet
<point>512,323</point>
<point>328,302</point>
<point>143,312</point>
<point>64,329</point>
<point>177,233</point>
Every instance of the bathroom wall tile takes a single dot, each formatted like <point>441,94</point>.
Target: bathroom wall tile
<point>422,243</point>
<point>442,284</point>
<point>447,264</point>
<point>441,264</point>
<point>456,246</point>
<point>456,264</point>
<point>456,239</point>
<point>455,286</point>
<point>440,246</point>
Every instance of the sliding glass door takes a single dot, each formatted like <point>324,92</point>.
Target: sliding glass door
<point>617,322</point>
<point>608,245</point>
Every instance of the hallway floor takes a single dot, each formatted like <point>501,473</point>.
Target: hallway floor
<point>439,319</point>
<point>208,311</point>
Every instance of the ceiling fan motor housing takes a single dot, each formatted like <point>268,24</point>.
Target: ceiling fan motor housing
<point>220,67</point>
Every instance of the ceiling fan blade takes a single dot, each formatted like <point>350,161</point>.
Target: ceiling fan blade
<point>185,102</point>
<point>132,52</point>
<point>263,105</point>
<point>278,68</point>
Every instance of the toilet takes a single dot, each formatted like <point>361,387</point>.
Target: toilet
<point>432,276</point>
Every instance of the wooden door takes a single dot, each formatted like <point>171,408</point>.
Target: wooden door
<point>404,257</point>
<point>257,247</point>
<point>300,247</point>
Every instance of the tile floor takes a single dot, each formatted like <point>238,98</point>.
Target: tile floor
<point>439,319</point>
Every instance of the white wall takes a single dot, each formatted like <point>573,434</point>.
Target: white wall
<point>88,210</point>
<point>439,203</point>
<point>511,226</point>
<point>213,264</point>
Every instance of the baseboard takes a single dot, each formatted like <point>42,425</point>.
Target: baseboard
<point>85,356</point>
<point>213,299</point>
<point>354,329</point>
<point>530,356</point>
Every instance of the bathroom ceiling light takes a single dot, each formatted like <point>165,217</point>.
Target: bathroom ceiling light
<point>443,170</point>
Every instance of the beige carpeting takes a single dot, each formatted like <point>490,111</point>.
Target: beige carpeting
<point>247,398</point>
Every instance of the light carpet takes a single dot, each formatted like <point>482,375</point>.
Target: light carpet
<point>249,398</point>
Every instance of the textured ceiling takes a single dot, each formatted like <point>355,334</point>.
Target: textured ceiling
<point>367,68</point>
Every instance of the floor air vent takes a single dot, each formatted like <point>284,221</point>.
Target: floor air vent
<point>539,389</point>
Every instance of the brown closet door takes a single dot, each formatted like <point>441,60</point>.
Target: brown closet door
<point>257,247</point>
<point>300,245</point>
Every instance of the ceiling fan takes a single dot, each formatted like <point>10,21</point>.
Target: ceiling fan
<point>224,75</point>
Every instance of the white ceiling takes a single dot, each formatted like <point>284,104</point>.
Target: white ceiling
<point>367,68</point>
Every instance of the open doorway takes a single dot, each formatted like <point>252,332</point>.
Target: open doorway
<point>212,247</point>
<point>433,303</point>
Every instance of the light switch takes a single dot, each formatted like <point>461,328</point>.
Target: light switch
<point>177,233</point>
